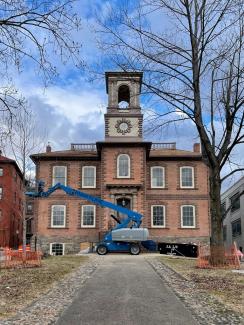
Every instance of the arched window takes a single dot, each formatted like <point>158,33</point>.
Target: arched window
<point>123,166</point>
<point>124,97</point>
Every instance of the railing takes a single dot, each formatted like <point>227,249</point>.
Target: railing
<point>84,146</point>
<point>92,146</point>
<point>163,145</point>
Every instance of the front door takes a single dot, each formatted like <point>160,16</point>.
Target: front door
<point>125,203</point>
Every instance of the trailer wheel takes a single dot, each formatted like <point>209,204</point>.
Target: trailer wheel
<point>102,250</point>
<point>135,249</point>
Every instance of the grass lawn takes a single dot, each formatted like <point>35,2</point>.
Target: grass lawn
<point>226,286</point>
<point>19,287</point>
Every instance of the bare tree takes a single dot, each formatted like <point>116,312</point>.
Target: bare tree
<point>33,32</point>
<point>192,59</point>
<point>26,137</point>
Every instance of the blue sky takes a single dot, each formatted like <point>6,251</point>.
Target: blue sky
<point>71,108</point>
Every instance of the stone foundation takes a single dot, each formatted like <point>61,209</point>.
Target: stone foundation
<point>72,245</point>
<point>181,240</point>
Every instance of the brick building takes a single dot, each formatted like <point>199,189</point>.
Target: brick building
<point>11,203</point>
<point>29,214</point>
<point>168,186</point>
<point>233,223</point>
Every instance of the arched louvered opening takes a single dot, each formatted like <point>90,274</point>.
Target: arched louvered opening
<point>124,97</point>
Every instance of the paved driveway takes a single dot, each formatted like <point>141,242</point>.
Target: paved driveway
<point>125,290</point>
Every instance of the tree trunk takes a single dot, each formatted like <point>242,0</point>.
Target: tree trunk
<point>24,154</point>
<point>24,225</point>
<point>216,239</point>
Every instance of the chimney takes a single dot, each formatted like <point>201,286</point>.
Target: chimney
<point>48,148</point>
<point>197,147</point>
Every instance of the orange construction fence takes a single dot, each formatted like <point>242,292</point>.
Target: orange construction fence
<point>226,258</point>
<point>28,249</point>
<point>16,258</point>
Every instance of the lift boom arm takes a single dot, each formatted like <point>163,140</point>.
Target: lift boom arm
<point>133,216</point>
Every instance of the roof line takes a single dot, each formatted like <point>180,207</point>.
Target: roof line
<point>232,186</point>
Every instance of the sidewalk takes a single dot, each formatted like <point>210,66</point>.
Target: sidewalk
<point>126,290</point>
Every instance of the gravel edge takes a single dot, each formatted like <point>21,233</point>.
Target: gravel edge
<point>47,308</point>
<point>205,308</point>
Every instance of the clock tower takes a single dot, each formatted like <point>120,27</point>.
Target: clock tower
<point>123,120</point>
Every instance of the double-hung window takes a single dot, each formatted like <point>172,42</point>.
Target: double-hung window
<point>58,216</point>
<point>123,166</point>
<point>88,216</point>
<point>1,171</point>
<point>235,202</point>
<point>88,177</point>
<point>236,228</point>
<point>60,175</point>
<point>158,216</point>
<point>1,193</point>
<point>186,177</point>
<point>157,177</point>
<point>29,208</point>
<point>188,216</point>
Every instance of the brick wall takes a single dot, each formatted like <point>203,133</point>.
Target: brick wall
<point>11,206</point>
<point>173,197</point>
<point>137,188</point>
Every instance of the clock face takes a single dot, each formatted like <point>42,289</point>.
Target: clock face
<point>123,126</point>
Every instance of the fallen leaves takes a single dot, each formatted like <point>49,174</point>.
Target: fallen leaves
<point>226,286</point>
<point>19,287</point>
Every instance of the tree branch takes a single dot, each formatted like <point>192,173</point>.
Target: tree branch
<point>231,173</point>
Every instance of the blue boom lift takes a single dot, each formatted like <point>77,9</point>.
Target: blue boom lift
<point>125,237</point>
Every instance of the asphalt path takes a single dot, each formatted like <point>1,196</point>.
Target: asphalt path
<point>125,290</point>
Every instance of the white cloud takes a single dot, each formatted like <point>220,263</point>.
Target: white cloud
<point>76,106</point>
<point>61,131</point>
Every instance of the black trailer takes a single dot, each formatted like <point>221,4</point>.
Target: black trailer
<point>187,250</point>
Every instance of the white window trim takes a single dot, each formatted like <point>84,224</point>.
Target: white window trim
<point>123,154</point>
<point>163,186</point>
<point>194,216</point>
<point>157,205</point>
<point>94,209</point>
<point>65,167</point>
<point>51,246</point>
<point>29,207</point>
<point>95,179</point>
<point>230,199</point>
<point>54,226</point>
<point>1,169</point>
<point>193,177</point>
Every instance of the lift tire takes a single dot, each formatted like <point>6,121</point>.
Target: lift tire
<point>102,250</point>
<point>135,249</point>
